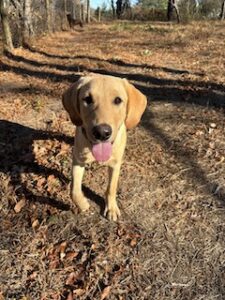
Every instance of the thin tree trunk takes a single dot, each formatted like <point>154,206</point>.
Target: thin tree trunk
<point>88,11</point>
<point>7,37</point>
<point>196,6</point>
<point>53,14</point>
<point>82,12</point>
<point>64,15</point>
<point>19,9</point>
<point>177,11</point>
<point>188,8</point>
<point>74,10</point>
<point>169,10</point>
<point>99,14</point>
<point>172,5</point>
<point>27,21</point>
<point>48,15</point>
<point>119,8</point>
<point>222,14</point>
<point>113,9</point>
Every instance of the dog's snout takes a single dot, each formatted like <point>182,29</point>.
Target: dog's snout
<point>102,132</point>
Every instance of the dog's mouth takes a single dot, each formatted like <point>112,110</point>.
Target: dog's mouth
<point>102,151</point>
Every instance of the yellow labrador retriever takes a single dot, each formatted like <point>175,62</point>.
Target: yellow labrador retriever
<point>103,108</point>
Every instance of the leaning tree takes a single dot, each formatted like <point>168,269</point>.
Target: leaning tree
<point>173,6</point>
<point>222,13</point>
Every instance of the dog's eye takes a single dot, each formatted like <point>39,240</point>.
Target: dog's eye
<point>88,100</point>
<point>117,100</point>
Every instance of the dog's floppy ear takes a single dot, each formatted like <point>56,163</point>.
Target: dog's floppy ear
<point>70,103</point>
<point>135,106</point>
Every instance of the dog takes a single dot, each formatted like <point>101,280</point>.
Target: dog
<point>73,22</point>
<point>103,108</point>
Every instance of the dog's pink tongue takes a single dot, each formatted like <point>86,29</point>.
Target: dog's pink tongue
<point>102,151</point>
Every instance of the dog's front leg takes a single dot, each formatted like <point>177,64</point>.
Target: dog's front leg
<point>112,210</point>
<point>76,191</point>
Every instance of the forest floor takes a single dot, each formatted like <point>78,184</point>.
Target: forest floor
<point>170,240</point>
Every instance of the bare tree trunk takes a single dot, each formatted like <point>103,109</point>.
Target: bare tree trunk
<point>196,6</point>
<point>172,5</point>
<point>48,15</point>
<point>99,14</point>
<point>7,37</point>
<point>82,12</point>
<point>28,30</point>
<point>64,15</point>
<point>53,14</point>
<point>65,8</point>
<point>113,9</point>
<point>222,13</point>
<point>18,5</point>
<point>177,11</point>
<point>74,9</point>
<point>88,11</point>
<point>119,8</point>
<point>188,8</point>
<point>169,10</point>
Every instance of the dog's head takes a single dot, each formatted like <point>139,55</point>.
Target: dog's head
<point>101,104</point>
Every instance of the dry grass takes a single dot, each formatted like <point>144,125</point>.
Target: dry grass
<point>170,241</point>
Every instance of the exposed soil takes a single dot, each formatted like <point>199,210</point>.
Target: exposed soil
<point>170,241</point>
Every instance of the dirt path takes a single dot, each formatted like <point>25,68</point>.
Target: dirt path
<point>170,241</point>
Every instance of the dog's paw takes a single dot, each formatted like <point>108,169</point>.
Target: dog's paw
<point>81,202</point>
<point>112,213</point>
<point>84,205</point>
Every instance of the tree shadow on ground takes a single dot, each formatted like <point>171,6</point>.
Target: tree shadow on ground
<point>112,61</point>
<point>167,90</point>
<point>158,89</point>
<point>14,88</point>
<point>17,157</point>
<point>98,200</point>
<point>54,77</point>
<point>185,156</point>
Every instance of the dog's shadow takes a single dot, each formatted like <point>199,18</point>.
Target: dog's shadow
<point>17,157</point>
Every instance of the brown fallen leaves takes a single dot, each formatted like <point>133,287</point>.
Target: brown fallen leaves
<point>93,265</point>
<point>105,292</point>
<point>19,205</point>
<point>1,296</point>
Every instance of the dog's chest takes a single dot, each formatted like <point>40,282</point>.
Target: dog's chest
<point>83,155</point>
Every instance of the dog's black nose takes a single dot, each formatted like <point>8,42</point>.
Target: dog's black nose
<point>102,132</point>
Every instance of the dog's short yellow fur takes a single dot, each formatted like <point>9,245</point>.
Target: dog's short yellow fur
<point>91,102</point>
